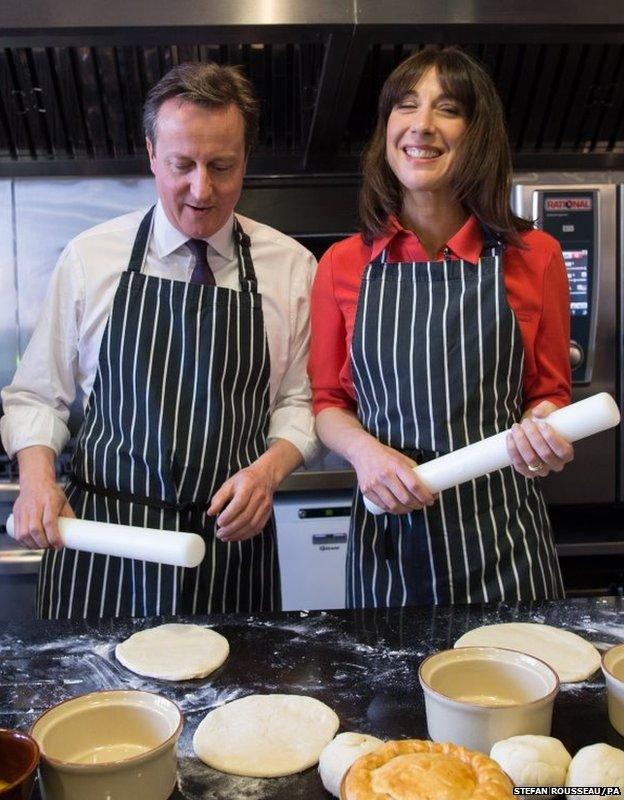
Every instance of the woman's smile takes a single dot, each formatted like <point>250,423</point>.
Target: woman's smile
<point>424,129</point>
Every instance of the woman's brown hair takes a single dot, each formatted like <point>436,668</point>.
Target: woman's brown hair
<point>481,173</point>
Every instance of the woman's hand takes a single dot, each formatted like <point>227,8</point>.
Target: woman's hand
<point>387,478</point>
<point>534,447</point>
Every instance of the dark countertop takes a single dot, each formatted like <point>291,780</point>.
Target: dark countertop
<point>361,663</point>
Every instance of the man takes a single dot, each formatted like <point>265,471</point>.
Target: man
<point>186,331</point>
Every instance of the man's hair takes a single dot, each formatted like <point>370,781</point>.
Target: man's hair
<point>481,174</point>
<point>209,85</point>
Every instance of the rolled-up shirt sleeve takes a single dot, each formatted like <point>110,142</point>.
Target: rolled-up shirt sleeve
<point>291,416</point>
<point>37,402</point>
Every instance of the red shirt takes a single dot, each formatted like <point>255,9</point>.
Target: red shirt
<point>537,291</point>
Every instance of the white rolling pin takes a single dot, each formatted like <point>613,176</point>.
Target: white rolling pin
<point>573,422</point>
<point>144,544</point>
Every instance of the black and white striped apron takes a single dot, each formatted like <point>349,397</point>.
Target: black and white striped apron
<point>180,403</point>
<point>437,361</point>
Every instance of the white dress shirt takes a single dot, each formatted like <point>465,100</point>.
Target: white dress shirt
<point>62,355</point>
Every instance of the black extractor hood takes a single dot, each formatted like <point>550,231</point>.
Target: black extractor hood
<point>73,75</point>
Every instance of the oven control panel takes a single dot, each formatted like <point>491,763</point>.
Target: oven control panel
<point>572,218</point>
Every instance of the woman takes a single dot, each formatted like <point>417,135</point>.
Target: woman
<point>445,321</point>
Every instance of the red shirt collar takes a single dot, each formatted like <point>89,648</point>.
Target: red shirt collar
<point>467,243</point>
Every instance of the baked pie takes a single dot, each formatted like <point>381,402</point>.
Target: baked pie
<point>412,769</point>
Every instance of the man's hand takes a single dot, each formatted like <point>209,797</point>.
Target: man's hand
<point>40,501</point>
<point>247,498</point>
<point>387,477</point>
<point>244,503</point>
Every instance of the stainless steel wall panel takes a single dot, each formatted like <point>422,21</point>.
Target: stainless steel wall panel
<point>8,289</point>
<point>491,12</point>
<point>18,17</point>
<point>60,16</point>
<point>50,212</point>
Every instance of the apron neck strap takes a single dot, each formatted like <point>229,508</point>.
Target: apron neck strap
<point>381,258</point>
<point>492,243</point>
<point>139,249</point>
<point>246,271</point>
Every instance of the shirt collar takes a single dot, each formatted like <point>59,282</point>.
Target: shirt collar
<point>168,238</point>
<point>466,244</point>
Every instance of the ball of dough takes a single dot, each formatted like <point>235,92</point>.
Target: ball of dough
<point>533,760</point>
<point>597,765</point>
<point>340,753</point>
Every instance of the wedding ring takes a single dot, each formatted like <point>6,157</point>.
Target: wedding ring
<point>535,467</point>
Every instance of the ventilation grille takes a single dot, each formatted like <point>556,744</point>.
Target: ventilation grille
<point>558,98</point>
<point>85,102</point>
<point>79,108</point>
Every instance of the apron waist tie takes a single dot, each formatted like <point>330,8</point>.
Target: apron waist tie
<point>391,521</point>
<point>113,494</point>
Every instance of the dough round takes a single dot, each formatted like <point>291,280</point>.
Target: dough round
<point>597,765</point>
<point>423,770</point>
<point>533,760</point>
<point>340,753</point>
<point>265,735</point>
<point>572,658</point>
<point>173,652</point>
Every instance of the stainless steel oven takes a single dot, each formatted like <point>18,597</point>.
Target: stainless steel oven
<point>581,214</point>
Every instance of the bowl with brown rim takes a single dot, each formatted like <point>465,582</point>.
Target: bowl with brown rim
<point>19,756</point>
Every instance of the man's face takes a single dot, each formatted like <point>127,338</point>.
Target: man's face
<point>198,161</point>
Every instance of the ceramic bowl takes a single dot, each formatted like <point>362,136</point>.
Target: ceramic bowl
<point>19,756</point>
<point>110,745</point>
<point>613,669</point>
<point>475,696</point>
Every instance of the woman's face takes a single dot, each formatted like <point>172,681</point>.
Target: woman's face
<point>422,135</point>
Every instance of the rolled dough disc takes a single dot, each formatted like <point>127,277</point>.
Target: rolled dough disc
<point>265,735</point>
<point>173,652</point>
<point>572,658</point>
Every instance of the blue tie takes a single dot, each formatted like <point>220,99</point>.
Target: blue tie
<point>201,268</point>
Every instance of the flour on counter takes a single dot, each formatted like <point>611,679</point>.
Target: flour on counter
<point>196,780</point>
<point>582,686</point>
<point>614,629</point>
<point>208,697</point>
